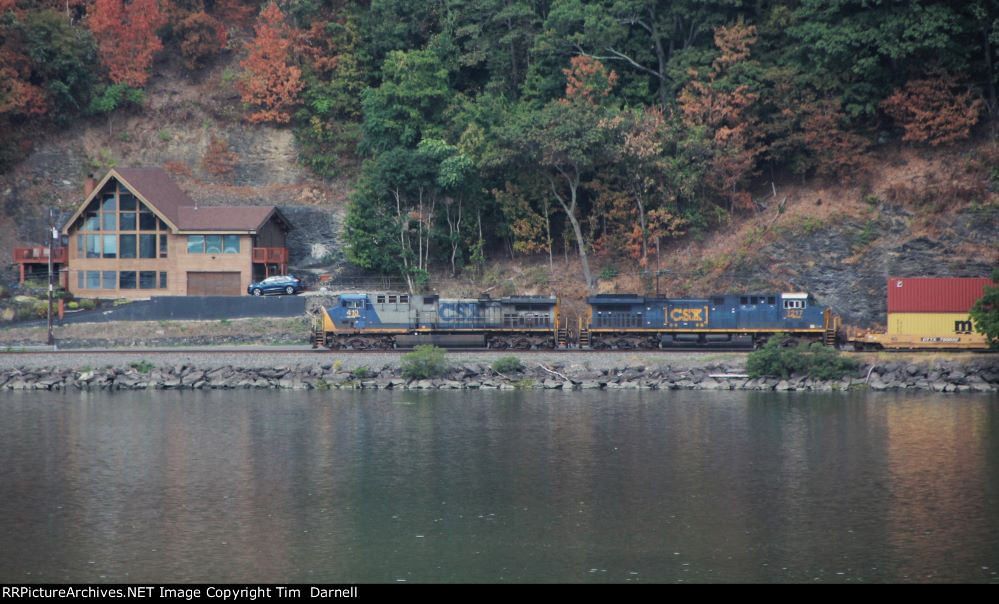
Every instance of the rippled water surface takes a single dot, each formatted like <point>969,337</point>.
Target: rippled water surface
<point>498,486</point>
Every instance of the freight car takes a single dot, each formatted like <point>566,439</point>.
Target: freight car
<point>927,313</point>
<point>621,321</point>
<point>388,320</point>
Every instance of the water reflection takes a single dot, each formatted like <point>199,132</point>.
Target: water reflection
<point>500,486</point>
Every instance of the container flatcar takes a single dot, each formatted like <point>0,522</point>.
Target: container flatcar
<point>385,320</point>
<point>928,313</point>
<point>723,321</point>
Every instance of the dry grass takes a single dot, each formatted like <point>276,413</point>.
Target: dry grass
<point>133,330</point>
<point>694,266</point>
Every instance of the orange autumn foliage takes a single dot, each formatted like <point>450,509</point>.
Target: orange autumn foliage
<point>219,159</point>
<point>270,84</point>
<point>127,39</point>
<point>587,79</point>
<point>318,48</point>
<point>17,95</point>
<point>930,111</point>
<point>724,113</point>
<point>201,38</point>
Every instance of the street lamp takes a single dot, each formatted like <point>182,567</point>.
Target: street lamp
<point>53,236</point>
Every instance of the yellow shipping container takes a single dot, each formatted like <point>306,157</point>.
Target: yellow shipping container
<point>929,324</point>
<point>925,331</point>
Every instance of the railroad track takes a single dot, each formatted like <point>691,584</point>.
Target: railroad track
<point>323,351</point>
<point>400,351</point>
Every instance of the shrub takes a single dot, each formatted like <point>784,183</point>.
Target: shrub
<point>361,373</point>
<point>508,364</point>
<point>424,362</point>
<point>74,305</point>
<point>608,273</point>
<point>41,308</point>
<point>142,366</point>
<point>781,358</point>
<point>88,304</point>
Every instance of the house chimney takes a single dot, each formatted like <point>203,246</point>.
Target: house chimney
<point>89,184</point>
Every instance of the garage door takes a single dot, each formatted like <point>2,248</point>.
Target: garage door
<point>213,284</point>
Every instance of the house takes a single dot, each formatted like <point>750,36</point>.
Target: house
<point>137,234</point>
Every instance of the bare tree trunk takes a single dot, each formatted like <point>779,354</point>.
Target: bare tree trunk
<point>548,235</point>
<point>425,264</point>
<point>572,180</point>
<point>454,233</point>
<point>645,231</point>
<point>403,227</point>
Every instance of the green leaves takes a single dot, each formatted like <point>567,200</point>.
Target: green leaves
<point>985,312</point>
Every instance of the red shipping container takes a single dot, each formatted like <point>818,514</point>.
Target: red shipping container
<point>933,294</point>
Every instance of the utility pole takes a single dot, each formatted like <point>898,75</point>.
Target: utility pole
<point>53,234</point>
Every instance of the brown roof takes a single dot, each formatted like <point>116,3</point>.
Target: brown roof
<point>158,188</point>
<point>156,185</point>
<point>223,218</point>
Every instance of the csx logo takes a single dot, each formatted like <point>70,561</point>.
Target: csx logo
<point>679,315</point>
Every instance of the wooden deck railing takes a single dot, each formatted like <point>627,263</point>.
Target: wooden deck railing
<point>270,255</point>
<point>40,255</point>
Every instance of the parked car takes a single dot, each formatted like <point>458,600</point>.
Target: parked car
<point>284,284</point>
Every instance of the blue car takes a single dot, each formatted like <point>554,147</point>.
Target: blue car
<point>285,284</point>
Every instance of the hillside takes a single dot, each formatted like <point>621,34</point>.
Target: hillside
<point>452,144</point>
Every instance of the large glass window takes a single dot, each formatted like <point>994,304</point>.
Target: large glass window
<point>126,279</point>
<point>230,244</point>
<point>128,221</point>
<point>127,246</point>
<point>147,246</point>
<point>93,279</point>
<point>195,244</point>
<point>110,278</point>
<point>81,280</point>
<point>110,246</point>
<point>163,280</point>
<point>93,246</point>
<point>213,244</point>
<point>147,221</point>
<point>110,222</point>
<point>147,280</point>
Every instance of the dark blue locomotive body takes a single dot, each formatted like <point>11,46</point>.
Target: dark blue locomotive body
<point>739,321</point>
<point>389,320</point>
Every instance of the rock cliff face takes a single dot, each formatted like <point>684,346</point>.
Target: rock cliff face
<point>846,262</point>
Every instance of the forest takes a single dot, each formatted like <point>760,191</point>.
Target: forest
<point>476,128</point>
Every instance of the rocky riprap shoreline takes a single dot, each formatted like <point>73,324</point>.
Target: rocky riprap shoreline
<point>940,376</point>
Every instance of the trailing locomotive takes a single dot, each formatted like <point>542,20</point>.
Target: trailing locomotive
<point>394,320</point>
<point>728,321</point>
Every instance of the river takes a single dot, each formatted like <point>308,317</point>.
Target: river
<point>523,486</point>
